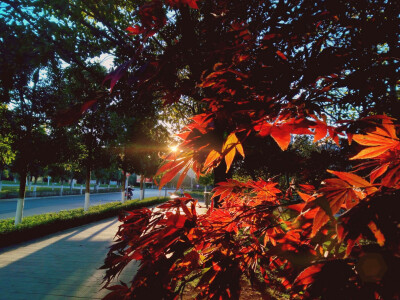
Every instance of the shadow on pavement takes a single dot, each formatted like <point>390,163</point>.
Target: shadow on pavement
<point>59,266</point>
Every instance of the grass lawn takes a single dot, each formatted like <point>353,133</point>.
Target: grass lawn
<point>197,194</point>
<point>8,182</point>
<point>10,189</point>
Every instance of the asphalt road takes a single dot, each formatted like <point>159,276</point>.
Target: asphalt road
<point>36,206</point>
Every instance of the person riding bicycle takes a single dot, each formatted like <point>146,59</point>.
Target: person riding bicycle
<point>129,192</point>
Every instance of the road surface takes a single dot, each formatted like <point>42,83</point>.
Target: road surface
<point>36,206</point>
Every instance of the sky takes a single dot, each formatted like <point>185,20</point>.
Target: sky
<point>105,59</point>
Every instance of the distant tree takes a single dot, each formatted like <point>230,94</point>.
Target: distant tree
<point>78,34</point>
<point>94,131</point>
<point>30,142</point>
<point>144,151</point>
<point>6,153</point>
<point>76,31</point>
<point>25,94</point>
<point>140,145</point>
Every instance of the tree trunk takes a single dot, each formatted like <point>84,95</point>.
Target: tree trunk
<point>220,175</point>
<point>71,183</point>
<point>29,182</point>
<point>87,190</point>
<point>21,199</point>
<point>141,197</point>
<point>62,187</point>
<point>123,186</point>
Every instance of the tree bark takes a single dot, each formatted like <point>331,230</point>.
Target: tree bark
<point>21,199</point>
<point>71,183</point>
<point>123,186</point>
<point>29,181</point>
<point>87,190</point>
<point>220,175</point>
<point>62,187</point>
<point>141,197</point>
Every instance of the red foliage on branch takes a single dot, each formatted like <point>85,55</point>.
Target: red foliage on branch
<point>336,240</point>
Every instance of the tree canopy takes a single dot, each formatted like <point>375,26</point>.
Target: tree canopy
<point>270,71</point>
<point>51,75</point>
<point>295,110</point>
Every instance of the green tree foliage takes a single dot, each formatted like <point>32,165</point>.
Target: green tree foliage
<point>51,49</point>
<point>26,96</point>
<point>141,139</point>
<point>6,153</point>
<point>75,30</point>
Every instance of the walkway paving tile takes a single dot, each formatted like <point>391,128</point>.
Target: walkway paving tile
<point>64,265</point>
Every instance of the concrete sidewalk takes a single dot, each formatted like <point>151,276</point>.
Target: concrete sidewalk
<point>59,266</point>
<point>63,265</point>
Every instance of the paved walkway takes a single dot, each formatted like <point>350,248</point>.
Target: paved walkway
<point>63,265</point>
<point>59,266</point>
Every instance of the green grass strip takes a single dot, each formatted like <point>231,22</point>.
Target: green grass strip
<point>40,225</point>
<point>197,194</point>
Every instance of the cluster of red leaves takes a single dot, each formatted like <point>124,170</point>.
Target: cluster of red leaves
<point>260,233</point>
<point>178,3</point>
<point>73,113</point>
<point>175,245</point>
<point>383,148</point>
<point>152,16</point>
<point>200,154</point>
<point>296,241</point>
<point>152,19</point>
<point>367,215</point>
